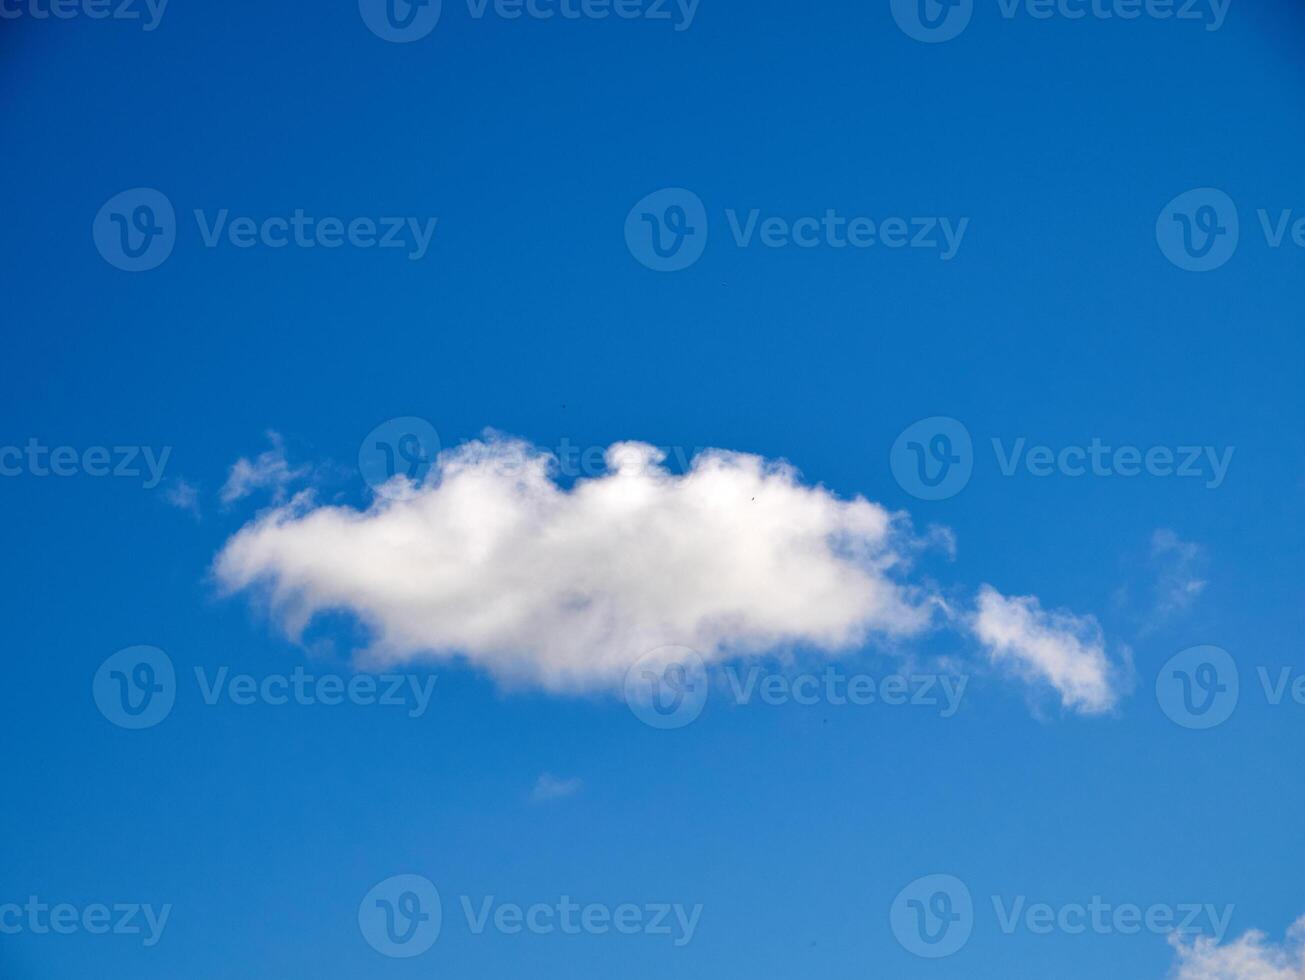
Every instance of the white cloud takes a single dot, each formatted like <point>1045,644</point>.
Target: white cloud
<point>1252,957</point>
<point>1056,647</point>
<point>1179,566</point>
<point>550,787</point>
<point>269,471</point>
<point>183,495</point>
<point>493,561</point>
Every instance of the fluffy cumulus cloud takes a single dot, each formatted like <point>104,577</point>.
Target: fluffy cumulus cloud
<point>565,587</point>
<point>1052,647</point>
<point>1252,957</point>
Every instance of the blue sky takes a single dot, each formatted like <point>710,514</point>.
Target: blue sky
<point>521,156</point>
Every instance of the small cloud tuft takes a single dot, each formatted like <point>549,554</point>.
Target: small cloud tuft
<point>268,471</point>
<point>1053,647</point>
<point>550,787</point>
<point>183,495</point>
<point>1180,568</point>
<point>1251,957</point>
